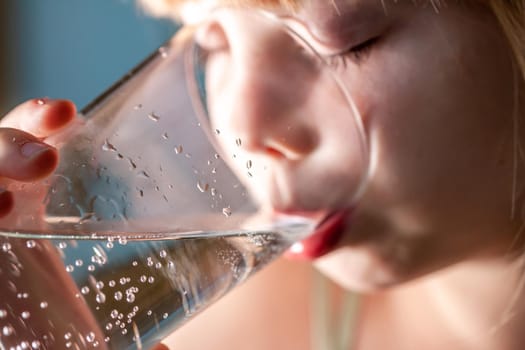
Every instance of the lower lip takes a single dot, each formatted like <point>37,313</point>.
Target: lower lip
<point>325,237</point>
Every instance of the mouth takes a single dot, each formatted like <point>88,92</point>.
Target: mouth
<point>325,237</point>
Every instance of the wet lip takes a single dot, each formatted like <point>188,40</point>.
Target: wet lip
<point>326,235</point>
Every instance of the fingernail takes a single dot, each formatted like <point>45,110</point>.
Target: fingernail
<point>33,149</point>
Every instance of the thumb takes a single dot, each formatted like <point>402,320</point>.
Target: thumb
<point>23,157</point>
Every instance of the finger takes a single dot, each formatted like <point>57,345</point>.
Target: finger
<point>6,202</point>
<point>40,117</point>
<point>24,157</point>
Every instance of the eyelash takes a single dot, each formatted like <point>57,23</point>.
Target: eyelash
<point>356,54</point>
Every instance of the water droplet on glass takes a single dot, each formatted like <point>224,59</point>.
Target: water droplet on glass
<point>163,52</point>
<point>153,117</point>
<point>114,313</point>
<point>249,164</point>
<point>107,146</point>
<point>62,245</point>
<point>6,247</point>
<point>99,285</point>
<point>123,240</point>
<point>40,102</point>
<point>227,212</point>
<point>91,268</point>
<point>35,344</point>
<point>163,253</point>
<point>84,290</point>
<point>238,142</point>
<point>30,244</point>
<point>178,149</point>
<point>217,131</point>
<point>67,336</point>
<point>203,187</point>
<point>79,262</point>
<point>216,156</point>
<point>151,279</point>
<point>70,268</point>
<point>109,326</point>
<point>3,313</point>
<point>165,315</point>
<point>137,106</point>
<point>43,305</point>
<point>165,136</point>
<point>132,164</point>
<point>143,174</point>
<point>25,315</point>
<point>112,283</point>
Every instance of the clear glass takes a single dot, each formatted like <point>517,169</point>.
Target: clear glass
<point>149,217</point>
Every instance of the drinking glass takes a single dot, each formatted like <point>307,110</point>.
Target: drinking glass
<point>149,217</point>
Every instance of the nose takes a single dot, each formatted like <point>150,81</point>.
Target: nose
<point>258,82</point>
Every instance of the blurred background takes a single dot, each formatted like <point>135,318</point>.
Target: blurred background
<point>72,48</point>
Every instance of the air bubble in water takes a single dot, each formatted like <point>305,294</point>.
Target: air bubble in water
<point>163,253</point>
<point>143,279</point>
<point>43,305</point>
<point>238,142</point>
<point>7,330</point>
<point>227,211</point>
<point>109,326</point>
<point>122,241</point>
<point>6,247</point>
<point>79,262</point>
<point>100,256</point>
<point>25,315</point>
<point>118,295</point>
<point>114,313</point>
<point>70,268</point>
<point>67,336</point>
<point>100,298</point>
<point>151,279</point>
<point>62,245</point>
<point>178,149</point>
<point>30,244</point>
<point>3,313</point>
<point>90,337</point>
<point>165,136</point>
<point>35,344</point>
<point>249,164</point>
<point>84,290</point>
<point>130,297</point>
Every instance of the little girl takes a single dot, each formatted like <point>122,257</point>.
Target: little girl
<point>426,220</point>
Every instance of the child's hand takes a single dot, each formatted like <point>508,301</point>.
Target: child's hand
<point>24,155</point>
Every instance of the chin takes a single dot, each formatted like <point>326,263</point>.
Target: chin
<point>358,270</point>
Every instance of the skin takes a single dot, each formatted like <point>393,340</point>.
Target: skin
<point>438,219</point>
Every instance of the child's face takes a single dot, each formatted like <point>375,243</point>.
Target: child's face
<point>434,90</point>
